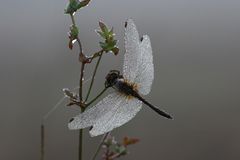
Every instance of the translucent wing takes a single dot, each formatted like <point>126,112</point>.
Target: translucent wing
<point>121,114</point>
<point>145,73</point>
<point>90,116</point>
<point>131,39</point>
<point>138,60</point>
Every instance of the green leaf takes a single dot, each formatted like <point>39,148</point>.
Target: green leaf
<point>121,150</point>
<point>74,31</point>
<point>115,50</point>
<point>103,45</point>
<point>111,32</point>
<point>83,3</point>
<point>108,36</point>
<point>72,6</point>
<point>103,27</point>
<point>100,33</point>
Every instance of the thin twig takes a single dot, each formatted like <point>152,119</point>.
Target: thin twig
<point>80,145</point>
<point>73,20</point>
<point>95,55</point>
<point>93,77</point>
<point>81,83</point>
<point>42,141</point>
<point>107,153</point>
<point>80,45</point>
<point>100,145</point>
<point>114,156</point>
<point>78,39</point>
<point>94,99</point>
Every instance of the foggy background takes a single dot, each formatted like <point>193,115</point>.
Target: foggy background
<point>196,53</point>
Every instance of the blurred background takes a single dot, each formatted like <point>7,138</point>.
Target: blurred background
<point>196,56</point>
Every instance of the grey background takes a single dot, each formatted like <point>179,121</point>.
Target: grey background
<point>196,56</point>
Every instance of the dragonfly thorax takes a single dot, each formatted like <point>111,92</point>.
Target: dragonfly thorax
<point>126,87</point>
<point>117,81</point>
<point>112,77</point>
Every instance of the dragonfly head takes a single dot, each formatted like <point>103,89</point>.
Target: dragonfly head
<point>111,78</point>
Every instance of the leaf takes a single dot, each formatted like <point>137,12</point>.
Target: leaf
<point>110,43</point>
<point>110,141</point>
<point>115,50</point>
<point>129,141</point>
<point>74,31</point>
<point>103,27</point>
<point>83,3</point>
<point>103,45</point>
<point>100,33</point>
<point>122,150</point>
<point>72,6</point>
<point>111,32</point>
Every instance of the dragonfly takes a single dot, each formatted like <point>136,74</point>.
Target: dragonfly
<point>126,100</point>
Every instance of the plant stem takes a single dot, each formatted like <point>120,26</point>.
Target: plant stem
<point>80,145</point>
<point>81,85</point>
<point>107,153</point>
<point>42,141</point>
<point>93,77</point>
<point>73,20</point>
<point>100,145</point>
<point>114,156</point>
<point>94,99</point>
<point>78,39</point>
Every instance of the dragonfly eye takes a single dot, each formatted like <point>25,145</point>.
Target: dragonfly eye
<point>111,78</point>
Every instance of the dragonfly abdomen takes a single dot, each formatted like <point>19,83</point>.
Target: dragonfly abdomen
<point>162,113</point>
<point>130,90</point>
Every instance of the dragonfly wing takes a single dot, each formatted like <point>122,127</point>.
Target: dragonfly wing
<point>138,59</point>
<point>121,114</point>
<point>90,116</point>
<point>145,74</point>
<point>132,42</point>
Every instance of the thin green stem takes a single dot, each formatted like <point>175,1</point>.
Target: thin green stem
<point>73,20</point>
<point>93,77</point>
<point>94,99</point>
<point>78,39</point>
<point>100,145</point>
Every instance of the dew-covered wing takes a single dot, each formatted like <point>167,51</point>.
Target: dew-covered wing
<point>145,73</point>
<point>121,114</point>
<point>132,42</point>
<point>90,116</point>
